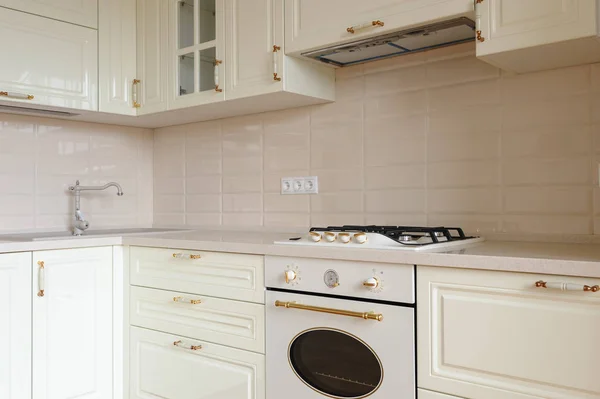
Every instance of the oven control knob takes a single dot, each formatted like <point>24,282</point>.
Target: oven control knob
<point>290,276</point>
<point>371,283</point>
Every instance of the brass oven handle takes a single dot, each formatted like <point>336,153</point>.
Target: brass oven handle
<point>360,315</point>
<point>18,96</point>
<point>41,278</point>
<point>179,255</point>
<point>186,300</point>
<point>567,286</point>
<point>355,28</point>
<point>186,346</point>
<point>134,93</point>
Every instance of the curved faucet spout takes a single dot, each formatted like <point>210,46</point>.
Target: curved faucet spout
<point>81,224</point>
<point>78,187</point>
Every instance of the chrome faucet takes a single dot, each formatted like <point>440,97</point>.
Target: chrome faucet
<point>80,224</point>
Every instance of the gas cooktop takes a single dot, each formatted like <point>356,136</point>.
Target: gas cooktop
<point>413,238</point>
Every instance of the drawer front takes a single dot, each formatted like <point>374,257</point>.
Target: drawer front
<point>496,335</point>
<point>55,62</point>
<point>78,12</point>
<point>160,369</point>
<point>224,275</point>
<point>222,321</point>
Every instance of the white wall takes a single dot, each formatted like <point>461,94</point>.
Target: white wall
<point>40,158</point>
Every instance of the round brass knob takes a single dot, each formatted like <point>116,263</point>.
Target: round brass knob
<point>290,276</point>
<point>371,283</point>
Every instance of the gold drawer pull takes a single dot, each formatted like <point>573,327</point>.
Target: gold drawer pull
<point>276,76</point>
<point>186,300</point>
<point>567,286</point>
<point>18,96</point>
<point>41,278</point>
<point>179,255</point>
<point>185,346</point>
<point>355,28</point>
<point>360,315</point>
<point>134,93</point>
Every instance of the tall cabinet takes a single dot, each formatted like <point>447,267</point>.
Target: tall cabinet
<point>15,326</point>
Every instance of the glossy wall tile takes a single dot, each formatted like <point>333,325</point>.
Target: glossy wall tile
<point>40,158</point>
<point>431,138</point>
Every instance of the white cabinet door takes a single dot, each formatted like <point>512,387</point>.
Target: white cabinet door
<point>506,26</point>
<point>493,335</point>
<point>315,23</point>
<point>15,326</point>
<point>252,29</point>
<point>79,12</point>
<point>170,367</point>
<point>152,55</point>
<point>52,62</point>
<point>72,324</point>
<point>196,39</point>
<point>116,44</point>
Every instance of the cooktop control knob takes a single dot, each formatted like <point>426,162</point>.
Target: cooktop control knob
<point>371,283</point>
<point>290,275</point>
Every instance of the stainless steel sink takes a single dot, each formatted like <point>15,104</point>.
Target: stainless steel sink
<point>64,235</point>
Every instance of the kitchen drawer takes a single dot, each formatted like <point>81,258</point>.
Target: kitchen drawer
<point>199,370</point>
<point>223,275</point>
<point>222,321</point>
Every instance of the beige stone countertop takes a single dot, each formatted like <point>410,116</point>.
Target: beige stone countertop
<point>527,257</point>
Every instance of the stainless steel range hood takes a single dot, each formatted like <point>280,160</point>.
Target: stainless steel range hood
<point>397,43</point>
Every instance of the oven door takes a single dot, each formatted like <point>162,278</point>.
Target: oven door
<point>334,352</point>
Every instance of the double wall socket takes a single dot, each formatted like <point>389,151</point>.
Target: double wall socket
<point>300,185</point>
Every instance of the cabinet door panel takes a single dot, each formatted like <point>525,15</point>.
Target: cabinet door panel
<point>159,369</point>
<point>493,335</point>
<point>152,55</point>
<point>80,12</point>
<point>15,326</point>
<point>72,340</point>
<point>56,62</point>
<point>253,27</point>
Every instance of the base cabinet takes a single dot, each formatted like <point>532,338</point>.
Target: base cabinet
<point>72,324</point>
<point>15,326</point>
<point>495,335</point>
<point>171,367</point>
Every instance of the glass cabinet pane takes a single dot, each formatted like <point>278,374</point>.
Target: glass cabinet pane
<point>185,16</point>
<point>207,69</point>
<point>207,19</point>
<point>186,74</point>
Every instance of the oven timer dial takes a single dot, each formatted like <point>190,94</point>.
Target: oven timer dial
<point>331,278</point>
<point>371,283</point>
<point>291,275</point>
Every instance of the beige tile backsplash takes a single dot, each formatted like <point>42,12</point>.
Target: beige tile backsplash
<point>40,158</point>
<point>431,138</point>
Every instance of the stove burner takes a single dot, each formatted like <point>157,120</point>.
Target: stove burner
<point>408,235</point>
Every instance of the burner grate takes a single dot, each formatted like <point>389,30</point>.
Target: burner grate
<point>399,233</point>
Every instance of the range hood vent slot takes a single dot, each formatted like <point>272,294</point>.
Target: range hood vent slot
<point>407,41</point>
<point>15,109</point>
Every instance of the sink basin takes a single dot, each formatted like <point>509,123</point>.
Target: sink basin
<point>64,235</point>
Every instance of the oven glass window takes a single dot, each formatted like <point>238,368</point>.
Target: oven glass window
<point>335,363</point>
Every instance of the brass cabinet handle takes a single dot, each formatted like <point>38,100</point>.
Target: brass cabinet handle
<point>217,63</point>
<point>360,315</point>
<point>567,286</point>
<point>276,76</point>
<point>134,93</point>
<point>479,37</point>
<point>373,24</point>
<point>41,278</point>
<point>179,255</point>
<point>18,96</point>
<point>186,300</point>
<point>186,346</point>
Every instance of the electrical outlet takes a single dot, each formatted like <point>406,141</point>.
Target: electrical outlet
<point>299,185</point>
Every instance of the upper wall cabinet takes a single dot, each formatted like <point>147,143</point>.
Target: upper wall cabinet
<point>310,24</point>
<point>197,33</point>
<point>79,12</point>
<point>47,62</point>
<point>533,35</point>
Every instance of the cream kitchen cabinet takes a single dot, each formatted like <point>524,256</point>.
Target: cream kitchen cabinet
<point>15,326</point>
<point>173,367</point>
<point>496,335</point>
<point>73,324</point>
<point>79,12</point>
<point>525,36</point>
<point>310,24</point>
<point>47,62</point>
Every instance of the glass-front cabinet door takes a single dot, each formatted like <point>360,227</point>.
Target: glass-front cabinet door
<point>196,40</point>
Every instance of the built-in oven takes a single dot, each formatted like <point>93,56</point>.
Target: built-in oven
<point>324,343</point>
